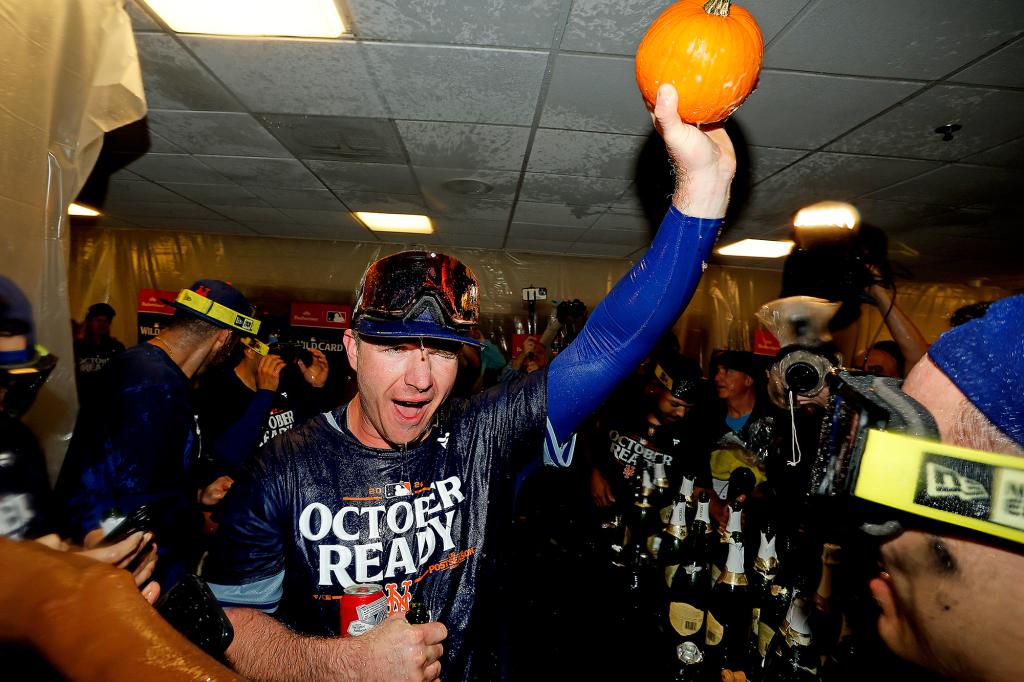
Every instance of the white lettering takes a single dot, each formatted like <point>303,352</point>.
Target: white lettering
<point>393,517</point>
<point>444,531</point>
<point>373,514</point>
<point>338,567</point>
<point>448,489</point>
<point>325,521</point>
<point>426,543</point>
<point>339,524</point>
<point>365,561</point>
<point>400,556</point>
<point>422,505</point>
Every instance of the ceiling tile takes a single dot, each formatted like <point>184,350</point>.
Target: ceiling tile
<point>572,189</point>
<point>202,226</point>
<point>474,241</point>
<point>596,93</point>
<point>257,172</point>
<point>538,245</point>
<point>228,195</point>
<point>309,217</point>
<point>121,191</point>
<point>141,21</point>
<point>464,145</point>
<point>365,177</point>
<point>988,117</point>
<point>1002,68</point>
<point>890,215</point>
<point>612,26</point>
<point>382,202</point>
<point>959,184</point>
<point>433,182</point>
<point>585,248</point>
<point>511,23</point>
<point>414,242</point>
<point>173,79</point>
<point>346,232</point>
<point>570,152</point>
<point>458,83</point>
<point>336,138</point>
<point>824,176</point>
<point>175,168</point>
<point>625,220</point>
<point>804,111</point>
<point>618,237</point>
<point>483,227</point>
<point>766,161</point>
<point>1009,155</point>
<point>557,215</point>
<point>545,232</point>
<point>839,36</point>
<point>248,214</point>
<point>293,76</point>
<point>469,209</point>
<point>216,133</point>
<point>315,199</point>
<point>162,210</point>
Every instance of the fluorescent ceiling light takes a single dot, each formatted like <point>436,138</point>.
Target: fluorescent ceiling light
<point>828,214</point>
<point>293,18</point>
<point>79,209</point>
<point>757,248</point>
<point>396,222</point>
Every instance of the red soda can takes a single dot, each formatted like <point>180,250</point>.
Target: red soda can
<point>363,606</point>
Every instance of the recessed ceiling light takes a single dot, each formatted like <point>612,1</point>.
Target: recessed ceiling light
<point>79,209</point>
<point>292,18</point>
<point>396,222</point>
<point>757,248</point>
<point>828,214</point>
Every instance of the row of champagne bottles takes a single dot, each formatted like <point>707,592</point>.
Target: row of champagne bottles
<point>759,621</point>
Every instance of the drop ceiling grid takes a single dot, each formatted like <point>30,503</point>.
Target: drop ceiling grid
<point>495,91</point>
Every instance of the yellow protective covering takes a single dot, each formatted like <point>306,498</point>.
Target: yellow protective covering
<point>70,73</point>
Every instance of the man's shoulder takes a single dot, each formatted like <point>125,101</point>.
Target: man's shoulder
<point>303,446</point>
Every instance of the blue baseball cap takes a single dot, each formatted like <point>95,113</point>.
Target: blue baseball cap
<point>985,359</point>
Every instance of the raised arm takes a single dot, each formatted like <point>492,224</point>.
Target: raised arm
<point>652,295</point>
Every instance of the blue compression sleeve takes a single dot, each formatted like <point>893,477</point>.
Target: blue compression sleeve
<point>628,322</point>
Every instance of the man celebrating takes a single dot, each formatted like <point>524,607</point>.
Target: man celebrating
<point>394,487</point>
<point>949,602</point>
<point>137,443</point>
<point>94,349</point>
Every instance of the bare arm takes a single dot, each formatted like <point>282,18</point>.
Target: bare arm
<point>264,649</point>
<point>907,336</point>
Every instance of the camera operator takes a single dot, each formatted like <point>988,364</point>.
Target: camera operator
<point>953,604</point>
<point>566,321</point>
<point>888,358</point>
<point>261,396</point>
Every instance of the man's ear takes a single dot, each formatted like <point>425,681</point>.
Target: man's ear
<point>352,349</point>
<point>893,627</point>
<point>221,338</point>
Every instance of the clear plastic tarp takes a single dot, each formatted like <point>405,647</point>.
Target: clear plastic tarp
<point>70,73</point>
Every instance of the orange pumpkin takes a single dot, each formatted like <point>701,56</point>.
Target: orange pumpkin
<point>709,50</point>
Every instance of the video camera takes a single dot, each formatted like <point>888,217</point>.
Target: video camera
<point>291,352</point>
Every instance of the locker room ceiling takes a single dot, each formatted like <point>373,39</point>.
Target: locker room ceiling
<point>516,124</point>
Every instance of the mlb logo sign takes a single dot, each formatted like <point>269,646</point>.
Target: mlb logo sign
<point>337,316</point>
<point>397,490</point>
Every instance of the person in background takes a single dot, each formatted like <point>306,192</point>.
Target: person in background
<point>885,359</point>
<point>910,344</point>
<point>532,357</point>
<point>950,602</point>
<point>94,347</point>
<point>138,442</point>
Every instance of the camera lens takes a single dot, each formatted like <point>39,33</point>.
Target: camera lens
<point>801,377</point>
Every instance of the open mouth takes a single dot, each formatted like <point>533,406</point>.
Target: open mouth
<point>410,410</point>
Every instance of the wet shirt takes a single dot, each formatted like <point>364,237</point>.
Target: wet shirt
<point>319,511</point>
<point>24,483</point>
<point>90,359</point>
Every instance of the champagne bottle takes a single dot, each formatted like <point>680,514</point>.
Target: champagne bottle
<point>792,656</point>
<point>690,584</point>
<point>734,525</point>
<point>728,616</point>
<point>417,613</point>
<point>826,619</point>
<point>641,517</point>
<point>661,482</point>
<point>690,663</point>
<point>671,540</point>
<point>767,612</point>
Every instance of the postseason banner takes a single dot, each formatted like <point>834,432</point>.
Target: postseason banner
<point>320,325</point>
<point>152,312</point>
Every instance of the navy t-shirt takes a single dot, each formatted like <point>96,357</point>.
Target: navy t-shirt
<point>319,511</point>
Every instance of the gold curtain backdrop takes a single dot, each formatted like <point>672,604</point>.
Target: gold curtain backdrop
<point>112,265</point>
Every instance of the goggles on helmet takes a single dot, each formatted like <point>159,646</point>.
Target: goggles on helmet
<point>431,292</point>
<point>20,383</point>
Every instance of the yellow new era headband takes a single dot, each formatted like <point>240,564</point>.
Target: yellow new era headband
<point>221,313</point>
<point>973,489</point>
<point>255,344</point>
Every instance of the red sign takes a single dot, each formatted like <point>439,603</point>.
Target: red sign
<point>765,343</point>
<point>322,315</point>
<point>149,301</point>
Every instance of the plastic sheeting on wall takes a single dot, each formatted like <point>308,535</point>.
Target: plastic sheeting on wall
<point>70,73</point>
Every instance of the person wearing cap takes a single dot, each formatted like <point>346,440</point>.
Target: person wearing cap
<point>137,443</point>
<point>653,432</point>
<point>952,603</point>
<point>93,349</point>
<point>398,486</point>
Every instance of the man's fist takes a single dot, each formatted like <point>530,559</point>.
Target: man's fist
<point>400,652</point>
